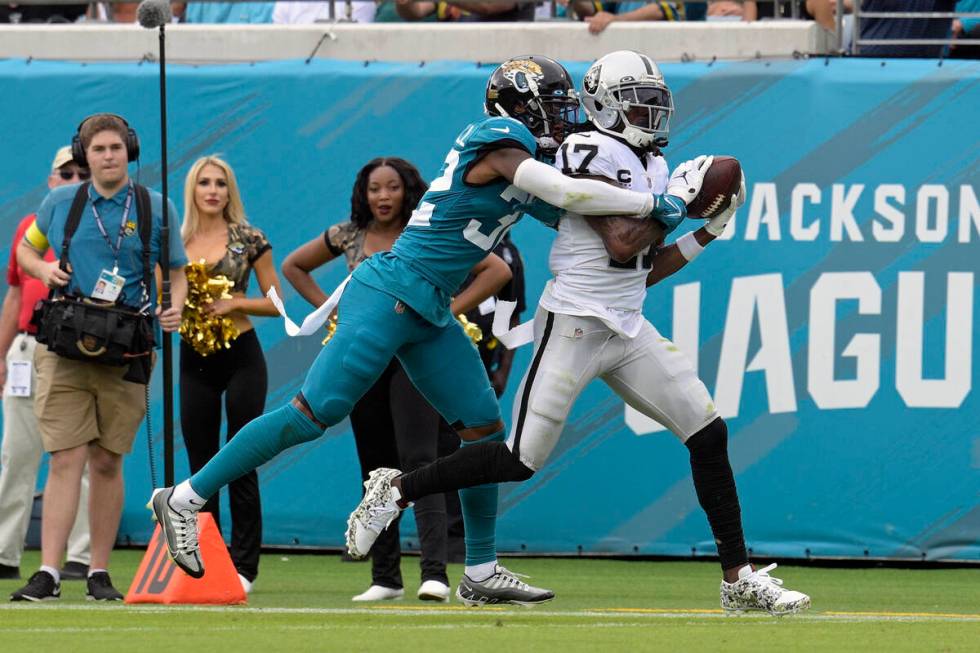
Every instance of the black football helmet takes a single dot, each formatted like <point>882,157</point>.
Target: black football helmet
<point>537,91</point>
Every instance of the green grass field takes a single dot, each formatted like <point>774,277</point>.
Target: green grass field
<point>302,603</point>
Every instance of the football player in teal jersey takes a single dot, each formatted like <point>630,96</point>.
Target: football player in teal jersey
<point>397,304</point>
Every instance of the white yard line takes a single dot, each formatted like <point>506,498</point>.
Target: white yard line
<point>604,615</point>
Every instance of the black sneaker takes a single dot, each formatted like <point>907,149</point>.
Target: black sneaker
<point>8,572</point>
<point>100,588</point>
<point>74,570</point>
<point>40,587</point>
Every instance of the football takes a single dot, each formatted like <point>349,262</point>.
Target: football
<point>720,183</point>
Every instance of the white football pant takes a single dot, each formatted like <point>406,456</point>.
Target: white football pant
<point>648,372</point>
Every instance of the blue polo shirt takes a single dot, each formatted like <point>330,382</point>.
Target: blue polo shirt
<point>229,12</point>
<point>90,253</point>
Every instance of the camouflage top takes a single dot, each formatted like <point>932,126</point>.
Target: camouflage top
<point>245,245</point>
<point>348,239</point>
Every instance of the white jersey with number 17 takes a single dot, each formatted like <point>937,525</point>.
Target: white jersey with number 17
<point>586,280</point>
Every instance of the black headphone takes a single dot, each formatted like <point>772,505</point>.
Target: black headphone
<point>78,152</point>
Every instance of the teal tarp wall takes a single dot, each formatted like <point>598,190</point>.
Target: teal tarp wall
<point>835,328</point>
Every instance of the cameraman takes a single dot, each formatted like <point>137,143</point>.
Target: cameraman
<point>89,412</point>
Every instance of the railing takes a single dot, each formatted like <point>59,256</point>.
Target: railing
<point>344,14</point>
<point>895,15</point>
<point>794,8</point>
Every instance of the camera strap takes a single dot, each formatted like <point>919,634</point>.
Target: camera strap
<point>144,219</point>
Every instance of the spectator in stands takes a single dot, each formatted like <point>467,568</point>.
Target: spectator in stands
<point>21,450</point>
<point>744,10</point>
<point>89,412</point>
<point>120,12</point>
<point>215,230</point>
<point>966,28</point>
<point>578,9</point>
<point>17,13</point>
<point>228,12</point>
<point>824,12</point>
<point>632,11</point>
<point>466,10</point>
<point>304,13</point>
<point>392,423</point>
<point>124,12</point>
<point>905,28</point>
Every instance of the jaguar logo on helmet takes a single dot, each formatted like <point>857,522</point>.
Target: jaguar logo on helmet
<point>522,73</point>
<point>591,81</point>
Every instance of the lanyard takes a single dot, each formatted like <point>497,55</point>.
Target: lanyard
<point>122,226</point>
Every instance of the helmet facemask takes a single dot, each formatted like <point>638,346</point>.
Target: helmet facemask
<point>549,118</point>
<point>644,111</point>
<point>555,117</point>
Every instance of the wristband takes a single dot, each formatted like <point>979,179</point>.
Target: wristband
<point>689,246</point>
<point>669,211</point>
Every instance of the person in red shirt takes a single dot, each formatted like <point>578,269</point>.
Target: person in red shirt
<point>21,448</point>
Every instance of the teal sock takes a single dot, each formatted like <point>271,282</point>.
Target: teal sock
<point>479,506</point>
<point>258,442</point>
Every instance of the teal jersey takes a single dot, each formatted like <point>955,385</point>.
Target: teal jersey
<point>456,224</point>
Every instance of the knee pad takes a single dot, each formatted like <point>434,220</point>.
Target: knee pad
<point>329,408</point>
<point>709,442</point>
<point>553,395</point>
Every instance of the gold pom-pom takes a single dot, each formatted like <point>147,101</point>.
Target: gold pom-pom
<point>472,330</point>
<point>331,328</point>
<point>204,331</point>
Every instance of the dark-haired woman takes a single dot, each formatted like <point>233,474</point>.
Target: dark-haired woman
<point>393,425</point>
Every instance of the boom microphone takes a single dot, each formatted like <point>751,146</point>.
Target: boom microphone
<point>154,13</point>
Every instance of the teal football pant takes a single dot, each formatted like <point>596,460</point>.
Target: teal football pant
<point>372,328</point>
<point>442,363</point>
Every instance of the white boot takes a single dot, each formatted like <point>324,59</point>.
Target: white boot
<point>433,590</point>
<point>379,593</point>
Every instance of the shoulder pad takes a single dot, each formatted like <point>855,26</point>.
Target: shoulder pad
<point>498,128</point>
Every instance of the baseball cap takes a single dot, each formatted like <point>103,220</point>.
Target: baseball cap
<point>62,157</point>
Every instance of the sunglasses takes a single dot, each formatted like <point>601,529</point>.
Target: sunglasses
<point>68,175</point>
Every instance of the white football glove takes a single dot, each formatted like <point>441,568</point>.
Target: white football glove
<point>716,225</point>
<point>686,179</point>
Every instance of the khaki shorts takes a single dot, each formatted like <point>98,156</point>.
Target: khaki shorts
<point>79,402</point>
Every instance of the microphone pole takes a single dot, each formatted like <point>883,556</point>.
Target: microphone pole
<point>168,351</point>
<point>156,13</point>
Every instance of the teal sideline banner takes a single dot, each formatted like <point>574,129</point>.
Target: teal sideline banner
<point>835,325</point>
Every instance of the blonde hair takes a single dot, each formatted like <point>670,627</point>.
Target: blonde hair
<point>234,211</point>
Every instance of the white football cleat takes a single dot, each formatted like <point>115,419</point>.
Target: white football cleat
<point>179,529</point>
<point>504,586</point>
<point>379,593</point>
<point>757,590</point>
<point>373,514</point>
<point>246,584</point>
<point>433,590</point>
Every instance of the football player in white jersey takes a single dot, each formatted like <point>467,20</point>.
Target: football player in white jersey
<point>590,324</point>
